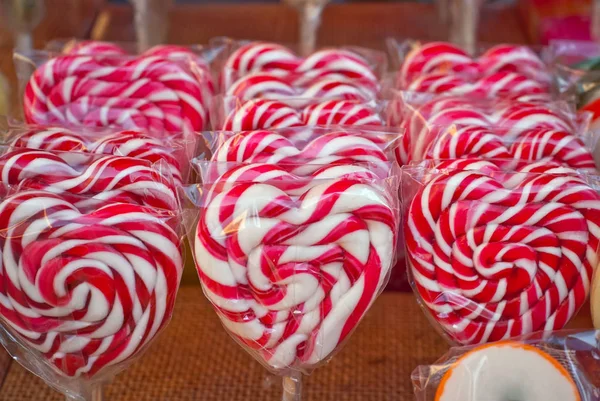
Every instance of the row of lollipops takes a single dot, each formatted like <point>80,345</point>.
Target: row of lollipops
<point>500,223</point>
<point>298,225</point>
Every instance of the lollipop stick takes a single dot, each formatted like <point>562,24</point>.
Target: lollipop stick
<point>309,12</point>
<point>93,394</point>
<point>464,15</point>
<point>292,387</point>
<point>596,20</point>
<point>151,22</point>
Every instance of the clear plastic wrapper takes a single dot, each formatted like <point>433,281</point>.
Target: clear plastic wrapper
<point>432,125</point>
<point>528,145</point>
<point>173,150</point>
<point>576,66</point>
<point>85,177</point>
<point>86,284</point>
<point>500,250</point>
<point>158,93</point>
<point>500,71</point>
<point>236,59</point>
<point>292,263</point>
<point>314,146</point>
<point>197,57</point>
<point>304,151</point>
<point>561,366</point>
<point>233,114</point>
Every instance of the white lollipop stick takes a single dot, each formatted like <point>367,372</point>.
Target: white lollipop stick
<point>464,19</point>
<point>151,22</point>
<point>310,18</point>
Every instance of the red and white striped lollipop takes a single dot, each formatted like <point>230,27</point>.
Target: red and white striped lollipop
<point>100,176</point>
<point>265,85</point>
<point>269,57</point>
<point>507,119</point>
<point>499,84</point>
<point>146,93</point>
<point>323,149</point>
<point>435,57</point>
<point>439,59</point>
<point>172,52</point>
<point>534,145</point>
<point>124,143</point>
<point>514,58</point>
<point>265,114</point>
<point>302,259</point>
<point>494,257</point>
<point>88,290</point>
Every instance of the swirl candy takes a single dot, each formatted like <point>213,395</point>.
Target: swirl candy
<point>498,257</point>
<point>172,52</point>
<point>124,143</point>
<point>532,146</point>
<point>103,177</point>
<point>87,290</point>
<point>511,119</point>
<point>324,149</point>
<point>301,262</point>
<point>270,57</point>
<point>446,59</point>
<point>146,93</point>
<point>265,114</point>
<point>271,86</point>
<point>500,84</point>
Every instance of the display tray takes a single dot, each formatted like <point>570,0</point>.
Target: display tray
<point>194,359</point>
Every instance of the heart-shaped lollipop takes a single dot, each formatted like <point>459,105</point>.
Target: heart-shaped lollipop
<point>291,263</point>
<point>86,289</point>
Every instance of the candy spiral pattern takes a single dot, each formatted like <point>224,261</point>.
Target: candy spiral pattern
<point>88,290</point>
<point>199,66</point>
<point>301,261</point>
<point>124,143</point>
<point>532,145</point>
<point>289,90</point>
<point>509,120</point>
<point>500,84</point>
<point>269,57</point>
<point>265,114</point>
<point>495,257</point>
<point>107,177</point>
<point>145,93</point>
<point>324,149</point>
<point>439,59</point>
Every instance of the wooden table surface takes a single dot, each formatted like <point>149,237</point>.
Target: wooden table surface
<point>194,359</point>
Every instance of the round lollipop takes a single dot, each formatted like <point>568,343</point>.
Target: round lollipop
<point>498,256</point>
